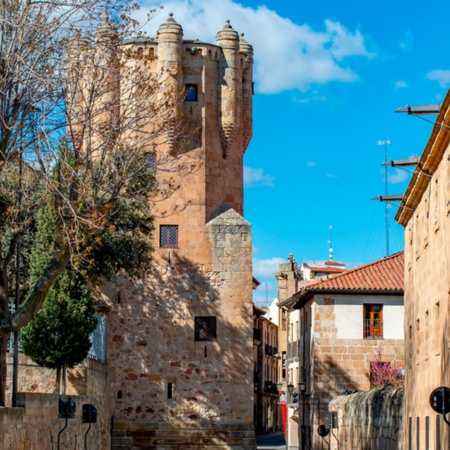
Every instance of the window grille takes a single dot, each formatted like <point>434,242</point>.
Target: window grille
<point>150,160</point>
<point>168,236</point>
<point>191,93</point>
<point>205,328</point>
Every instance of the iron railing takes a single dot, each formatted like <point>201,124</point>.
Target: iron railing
<point>270,387</point>
<point>98,340</point>
<point>373,329</point>
<point>257,334</point>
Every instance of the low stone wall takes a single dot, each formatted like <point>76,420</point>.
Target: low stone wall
<point>88,378</point>
<point>35,426</point>
<point>369,420</point>
<point>184,436</point>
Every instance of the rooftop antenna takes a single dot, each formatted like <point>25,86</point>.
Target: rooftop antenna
<point>331,242</point>
<point>385,143</point>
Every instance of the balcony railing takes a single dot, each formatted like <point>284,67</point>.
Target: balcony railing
<point>257,334</point>
<point>271,351</point>
<point>373,329</point>
<point>270,387</point>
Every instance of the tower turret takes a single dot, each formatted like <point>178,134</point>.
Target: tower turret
<point>106,104</point>
<point>230,86</point>
<point>247,92</point>
<point>170,44</point>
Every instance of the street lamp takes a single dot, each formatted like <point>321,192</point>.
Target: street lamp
<point>302,387</point>
<point>290,388</point>
<point>279,386</point>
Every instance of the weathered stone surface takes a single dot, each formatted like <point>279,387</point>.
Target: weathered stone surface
<point>161,382</point>
<point>370,420</point>
<point>35,425</point>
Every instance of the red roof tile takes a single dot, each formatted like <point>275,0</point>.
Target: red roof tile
<point>386,274</point>
<point>325,269</point>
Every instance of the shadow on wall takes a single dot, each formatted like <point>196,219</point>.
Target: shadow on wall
<point>162,369</point>
<point>333,378</point>
<point>369,420</point>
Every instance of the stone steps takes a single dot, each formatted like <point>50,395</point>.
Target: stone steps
<point>163,437</point>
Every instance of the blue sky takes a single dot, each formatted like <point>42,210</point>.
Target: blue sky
<point>328,77</point>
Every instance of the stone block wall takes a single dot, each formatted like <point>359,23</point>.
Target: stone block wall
<point>88,378</point>
<point>36,426</point>
<point>39,404</point>
<point>338,356</point>
<point>164,382</point>
<point>369,420</point>
<point>31,377</point>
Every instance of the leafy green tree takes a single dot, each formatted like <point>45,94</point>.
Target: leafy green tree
<point>59,337</point>
<point>60,72</point>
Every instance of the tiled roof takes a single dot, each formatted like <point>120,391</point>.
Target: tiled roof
<point>333,263</point>
<point>325,269</point>
<point>386,274</point>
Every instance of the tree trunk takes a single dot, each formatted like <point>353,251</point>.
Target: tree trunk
<point>28,310</point>
<point>3,350</point>
<point>58,381</point>
<point>64,380</point>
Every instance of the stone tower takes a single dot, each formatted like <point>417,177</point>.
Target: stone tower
<point>179,351</point>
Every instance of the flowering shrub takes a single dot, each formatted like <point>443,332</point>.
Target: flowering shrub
<point>384,373</point>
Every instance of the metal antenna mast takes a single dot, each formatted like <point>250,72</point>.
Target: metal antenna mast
<point>385,143</point>
<point>331,242</point>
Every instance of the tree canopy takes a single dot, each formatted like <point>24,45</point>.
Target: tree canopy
<point>80,125</point>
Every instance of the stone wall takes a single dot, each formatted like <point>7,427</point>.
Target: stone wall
<point>164,381</point>
<point>427,299</point>
<point>31,377</point>
<point>87,382</point>
<point>369,420</point>
<point>35,425</point>
<point>88,378</point>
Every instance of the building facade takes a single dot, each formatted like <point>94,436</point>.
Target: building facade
<point>425,214</point>
<point>267,411</point>
<point>343,320</point>
<point>292,278</point>
<point>180,341</point>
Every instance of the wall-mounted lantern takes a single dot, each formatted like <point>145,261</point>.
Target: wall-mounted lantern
<point>440,402</point>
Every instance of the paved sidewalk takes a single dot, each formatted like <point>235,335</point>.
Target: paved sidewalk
<point>273,441</point>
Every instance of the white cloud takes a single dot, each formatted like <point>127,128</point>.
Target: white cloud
<point>344,43</point>
<point>312,97</point>
<point>406,42</point>
<point>311,164</point>
<point>265,268</point>
<point>401,84</point>
<point>442,76</point>
<point>332,176</point>
<point>256,178</point>
<point>398,176</point>
<point>287,55</point>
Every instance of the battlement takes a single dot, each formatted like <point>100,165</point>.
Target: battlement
<point>219,75</point>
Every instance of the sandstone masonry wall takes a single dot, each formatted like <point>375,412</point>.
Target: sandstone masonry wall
<point>35,425</point>
<point>169,389</point>
<point>369,420</point>
<point>39,404</point>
